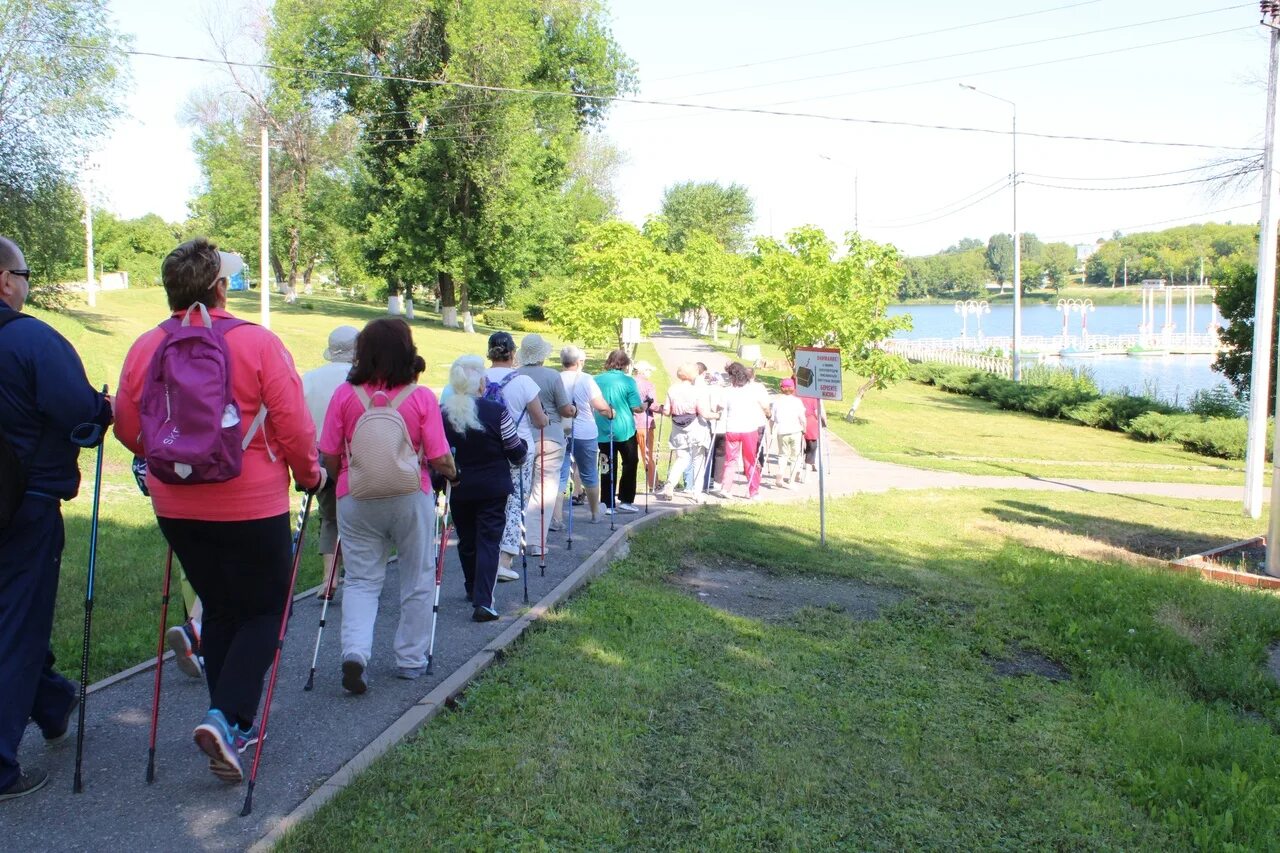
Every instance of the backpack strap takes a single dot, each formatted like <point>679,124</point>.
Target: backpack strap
<point>403,395</point>
<point>259,422</point>
<point>363,396</point>
<point>204,315</point>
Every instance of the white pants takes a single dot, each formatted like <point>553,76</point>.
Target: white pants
<point>513,538</point>
<point>542,501</point>
<point>370,529</point>
<point>690,446</point>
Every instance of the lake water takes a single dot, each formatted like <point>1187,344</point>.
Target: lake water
<point>1173,378</point>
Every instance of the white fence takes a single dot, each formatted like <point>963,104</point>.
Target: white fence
<point>924,351</point>
<point>1054,343</point>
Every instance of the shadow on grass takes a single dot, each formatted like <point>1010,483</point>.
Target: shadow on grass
<point>1162,542</point>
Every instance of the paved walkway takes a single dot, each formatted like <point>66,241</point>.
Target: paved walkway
<point>852,473</point>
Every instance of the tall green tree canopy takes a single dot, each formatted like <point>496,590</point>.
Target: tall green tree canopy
<point>724,212</point>
<point>462,187</point>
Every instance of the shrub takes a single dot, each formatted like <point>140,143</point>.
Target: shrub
<point>1115,411</point>
<point>1156,426</point>
<point>1220,437</point>
<point>1216,402</point>
<point>503,318</point>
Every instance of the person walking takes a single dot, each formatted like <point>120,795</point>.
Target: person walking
<point>548,449</point>
<point>814,420</point>
<point>689,408</point>
<point>486,445</point>
<point>44,397</point>
<point>743,412</point>
<point>318,386</point>
<point>384,503</point>
<point>641,371</point>
<point>620,392</point>
<point>520,395</point>
<point>788,426</point>
<point>231,530</point>
<point>586,399</point>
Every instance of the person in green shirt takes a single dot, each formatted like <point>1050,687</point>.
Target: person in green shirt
<point>621,393</point>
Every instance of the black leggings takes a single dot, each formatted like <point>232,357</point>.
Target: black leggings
<point>240,570</point>
<point>626,481</point>
<point>479,524</point>
<point>811,451</point>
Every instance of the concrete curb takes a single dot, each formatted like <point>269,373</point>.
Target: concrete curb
<point>442,696</point>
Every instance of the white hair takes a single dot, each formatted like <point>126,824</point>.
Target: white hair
<point>466,378</point>
<point>571,355</point>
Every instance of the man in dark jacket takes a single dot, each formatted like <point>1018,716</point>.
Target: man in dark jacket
<point>44,397</point>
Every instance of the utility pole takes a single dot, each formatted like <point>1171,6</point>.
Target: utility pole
<point>264,233</point>
<point>1264,310</point>
<point>855,202</point>
<point>90,291</point>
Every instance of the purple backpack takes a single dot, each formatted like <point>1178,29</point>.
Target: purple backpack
<point>190,419</point>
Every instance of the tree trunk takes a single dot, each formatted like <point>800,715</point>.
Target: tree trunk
<point>277,270</point>
<point>464,305</point>
<point>852,414</point>
<point>715,329</point>
<point>448,300</point>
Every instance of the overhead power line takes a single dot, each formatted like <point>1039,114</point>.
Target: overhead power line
<point>973,203</point>
<point>1132,228</point>
<point>617,99</point>
<point>888,40</point>
<point>981,50</point>
<point>1222,164</point>
<point>998,184</point>
<point>1209,179</point>
<point>1042,63</point>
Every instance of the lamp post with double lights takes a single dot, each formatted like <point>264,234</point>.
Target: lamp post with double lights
<point>1017,242</point>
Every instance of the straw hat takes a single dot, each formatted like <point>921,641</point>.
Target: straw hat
<point>342,344</point>
<point>533,349</point>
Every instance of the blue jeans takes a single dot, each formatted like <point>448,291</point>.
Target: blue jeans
<point>30,560</point>
<point>586,454</point>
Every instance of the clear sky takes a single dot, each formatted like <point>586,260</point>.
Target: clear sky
<point>1189,71</point>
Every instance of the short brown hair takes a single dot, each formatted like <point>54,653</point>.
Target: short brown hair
<point>385,354</point>
<point>617,360</point>
<point>189,273</point>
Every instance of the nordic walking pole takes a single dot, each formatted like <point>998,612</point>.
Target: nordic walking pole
<point>86,435</point>
<point>524,555</point>
<point>613,479</point>
<point>569,504</point>
<point>648,475</point>
<point>275,665</point>
<point>445,527</point>
<point>542,501</point>
<point>155,699</point>
<point>329,591</point>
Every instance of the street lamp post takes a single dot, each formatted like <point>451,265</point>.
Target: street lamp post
<point>1017,242</point>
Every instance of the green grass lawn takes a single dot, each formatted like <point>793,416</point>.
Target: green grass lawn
<point>131,550</point>
<point>926,427</point>
<point>639,718</point>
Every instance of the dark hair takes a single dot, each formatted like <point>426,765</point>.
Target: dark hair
<point>501,346</point>
<point>385,354</point>
<point>702,368</point>
<point>189,273</point>
<point>617,360</point>
<point>738,375</point>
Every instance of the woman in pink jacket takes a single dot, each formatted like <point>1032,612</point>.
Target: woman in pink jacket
<point>234,537</point>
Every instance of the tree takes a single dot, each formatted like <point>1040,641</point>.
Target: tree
<point>61,79</point>
<point>712,279</point>
<point>1000,258</point>
<point>616,272</point>
<point>1237,299</point>
<point>136,246</point>
<point>1058,261</point>
<point>462,187</point>
<point>805,297</point>
<point>724,212</point>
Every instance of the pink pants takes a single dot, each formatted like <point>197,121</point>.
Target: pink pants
<point>746,446</point>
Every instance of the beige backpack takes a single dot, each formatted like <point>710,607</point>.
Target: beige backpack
<point>381,461</point>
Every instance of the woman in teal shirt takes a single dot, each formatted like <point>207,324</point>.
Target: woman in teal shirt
<point>620,392</point>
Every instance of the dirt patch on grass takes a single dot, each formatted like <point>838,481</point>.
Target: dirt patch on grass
<point>751,591</point>
<point>1023,662</point>
<point>1071,544</point>
<point>1175,620</point>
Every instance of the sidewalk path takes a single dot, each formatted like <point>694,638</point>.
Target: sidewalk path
<point>309,737</point>
<point>851,473</point>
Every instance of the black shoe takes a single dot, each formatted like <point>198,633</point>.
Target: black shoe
<point>353,679</point>
<point>29,781</point>
<point>579,499</point>
<point>59,734</point>
<point>484,614</point>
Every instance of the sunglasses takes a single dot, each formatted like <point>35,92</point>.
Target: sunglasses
<point>24,273</point>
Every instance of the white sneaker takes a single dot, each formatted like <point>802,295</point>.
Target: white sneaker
<point>505,574</point>
<point>627,508</point>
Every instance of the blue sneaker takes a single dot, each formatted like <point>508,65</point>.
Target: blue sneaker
<point>245,738</point>
<point>216,739</point>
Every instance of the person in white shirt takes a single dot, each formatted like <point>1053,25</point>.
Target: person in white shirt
<point>788,426</point>
<point>520,395</point>
<point>318,386</point>
<point>585,396</point>
<point>690,410</point>
<point>742,415</point>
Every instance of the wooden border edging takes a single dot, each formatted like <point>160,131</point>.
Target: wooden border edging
<point>613,548</point>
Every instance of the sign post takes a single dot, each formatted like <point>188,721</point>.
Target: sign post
<point>819,375</point>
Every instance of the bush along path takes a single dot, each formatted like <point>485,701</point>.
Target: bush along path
<point>851,473</point>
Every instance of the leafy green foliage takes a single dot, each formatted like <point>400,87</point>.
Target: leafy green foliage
<point>723,212</point>
<point>136,246</point>
<point>616,272</point>
<point>1174,254</point>
<point>1237,298</point>
<point>1000,257</point>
